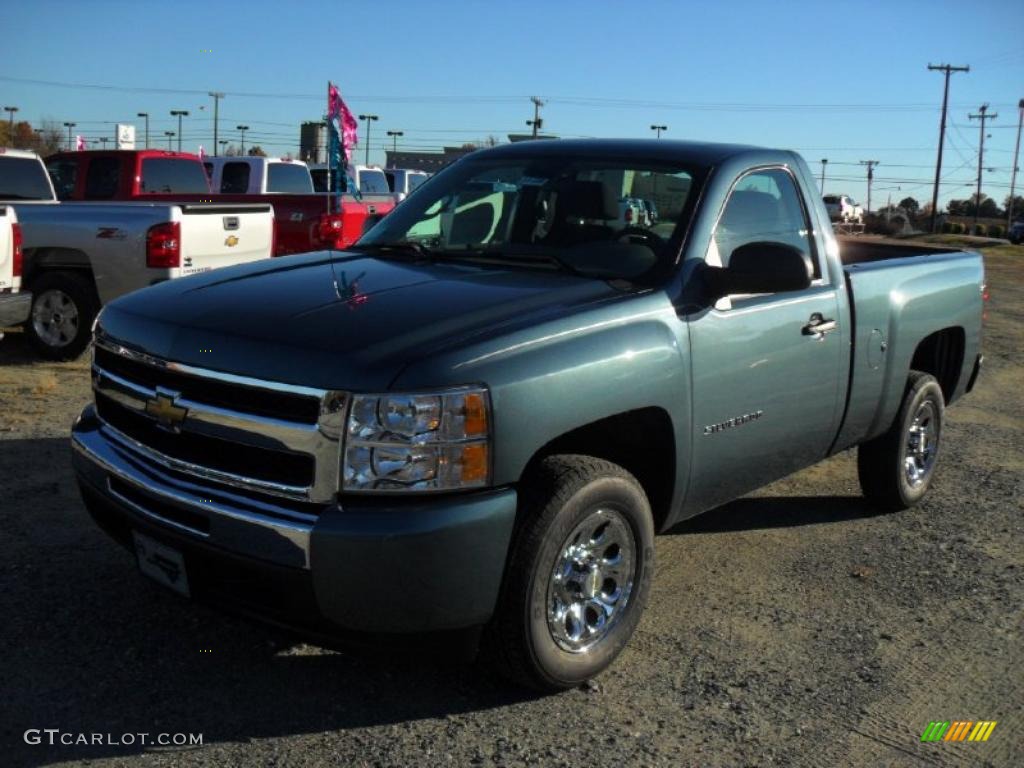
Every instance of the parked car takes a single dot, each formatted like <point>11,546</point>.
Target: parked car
<point>305,222</point>
<point>632,213</point>
<point>482,413</point>
<point>402,181</point>
<point>843,209</point>
<point>368,179</point>
<point>652,212</point>
<point>1016,233</point>
<point>258,175</point>
<point>14,303</point>
<point>80,256</point>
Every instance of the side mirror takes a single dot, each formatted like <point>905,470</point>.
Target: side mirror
<point>762,267</point>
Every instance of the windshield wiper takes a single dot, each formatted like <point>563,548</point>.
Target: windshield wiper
<point>521,257</point>
<point>408,247</point>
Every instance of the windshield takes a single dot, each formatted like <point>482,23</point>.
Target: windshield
<point>578,214</point>
<point>23,178</point>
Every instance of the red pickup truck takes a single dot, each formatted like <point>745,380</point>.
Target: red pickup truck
<point>303,222</point>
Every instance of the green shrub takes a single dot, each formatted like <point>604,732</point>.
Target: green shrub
<point>958,228</point>
<point>979,229</point>
<point>994,230</point>
<point>947,227</point>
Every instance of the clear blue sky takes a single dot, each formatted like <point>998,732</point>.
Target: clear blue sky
<point>842,80</point>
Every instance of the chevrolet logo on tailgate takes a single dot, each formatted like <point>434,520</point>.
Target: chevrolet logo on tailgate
<point>231,241</point>
<point>163,408</point>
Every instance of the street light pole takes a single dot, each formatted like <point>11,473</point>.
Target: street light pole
<point>394,143</point>
<point>242,129</point>
<point>145,115</point>
<point>179,113</point>
<point>10,134</point>
<point>659,129</point>
<point>369,121</point>
<point>69,126</point>
<point>1016,156</point>
<point>824,162</point>
<point>170,135</point>
<point>217,96</point>
<point>223,145</point>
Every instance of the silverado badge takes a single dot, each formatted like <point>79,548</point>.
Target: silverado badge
<point>231,241</point>
<point>164,409</point>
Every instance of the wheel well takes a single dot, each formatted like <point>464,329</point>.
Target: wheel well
<point>641,441</point>
<point>44,260</point>
<point>942,355</point>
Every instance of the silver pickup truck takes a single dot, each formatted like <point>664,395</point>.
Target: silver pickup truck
<point>14,303</point>
<point>79,256</point>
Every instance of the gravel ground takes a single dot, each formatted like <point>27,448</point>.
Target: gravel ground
<point>792,627</point>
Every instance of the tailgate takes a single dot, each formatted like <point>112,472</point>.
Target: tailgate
<point>6,249</point>
<point>215,236</point>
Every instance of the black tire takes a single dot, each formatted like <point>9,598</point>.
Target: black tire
<point>79,291</point>
<point>566,492</point>
<point>882,462</point>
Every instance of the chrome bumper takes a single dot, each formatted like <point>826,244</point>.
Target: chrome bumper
<point>232,522</point>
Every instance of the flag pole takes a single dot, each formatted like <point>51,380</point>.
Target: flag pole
<point>327,147</point>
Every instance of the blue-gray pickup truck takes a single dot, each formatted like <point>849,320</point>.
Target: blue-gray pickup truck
<point>480,415</point>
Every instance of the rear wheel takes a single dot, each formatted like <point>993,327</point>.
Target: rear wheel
<point>578,576</point>
<point>896,469</point>
<point>64,305</point>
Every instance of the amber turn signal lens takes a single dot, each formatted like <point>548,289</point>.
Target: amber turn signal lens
<point>476,414</point>
<point>474,463</point>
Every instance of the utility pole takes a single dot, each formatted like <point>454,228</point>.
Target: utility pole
<point>394,140</point>
<point>10,134</point>
<point>824,162</point>
<point>169,135</point>
<point>537,121</point>
<point>69,126</point>
<point>871,175</point>
<point>369,121</point>
<point>982,115</point>
<point>659,129</point>
<point>1016,156</point>
<point>217,96</point>
<point>145,115</point>
<point>242,129</point>
<point>947,69</point>
<point>179,113</point>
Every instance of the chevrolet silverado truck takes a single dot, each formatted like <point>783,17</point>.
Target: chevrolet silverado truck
<point>305,221</point>
<point>481,414</point>
<point>77,256</point>
<point>14,303</point>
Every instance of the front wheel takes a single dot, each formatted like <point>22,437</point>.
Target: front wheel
<point>578,576</point>
<point>896,468</point>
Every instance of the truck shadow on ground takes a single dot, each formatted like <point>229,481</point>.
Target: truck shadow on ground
<point>765,512</point>
<point>93,647</point>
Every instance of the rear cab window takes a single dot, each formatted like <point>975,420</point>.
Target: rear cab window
<point>64,175</point>
<point>161,175</point>
<point>290,178</point>
<point>234,178</point>
<point>23,178</point>
<point>373,182</point>
<point>102,178</point>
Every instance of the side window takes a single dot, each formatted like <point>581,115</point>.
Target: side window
<point>234,178</point>
<point>64,174</point>
<point>764,205</point>
<point>101,180</point>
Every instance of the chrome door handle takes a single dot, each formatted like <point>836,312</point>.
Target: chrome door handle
<point>817,326</point>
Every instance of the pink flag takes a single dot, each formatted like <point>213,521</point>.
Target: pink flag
<point>79,143</point>
<point>202,153</point>
<point>338,110</point>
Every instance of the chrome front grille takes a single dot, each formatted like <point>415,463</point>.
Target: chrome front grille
<point>254,435</point>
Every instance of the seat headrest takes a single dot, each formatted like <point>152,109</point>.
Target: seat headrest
<point>588,200</point>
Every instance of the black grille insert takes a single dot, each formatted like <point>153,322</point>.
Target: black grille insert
<point>262,402</point>
<point>265,464</point>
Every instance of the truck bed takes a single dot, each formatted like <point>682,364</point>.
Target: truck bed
<point>859,250</point>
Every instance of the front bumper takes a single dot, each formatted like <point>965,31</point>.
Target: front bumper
<point>381,565</point>
<point>14,308</point>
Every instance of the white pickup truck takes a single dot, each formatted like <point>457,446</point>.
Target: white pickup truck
<point>258,175</point>
<point>14,303</point>
<point>78,256</point>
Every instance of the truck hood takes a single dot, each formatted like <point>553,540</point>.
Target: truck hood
<point>334,319</point>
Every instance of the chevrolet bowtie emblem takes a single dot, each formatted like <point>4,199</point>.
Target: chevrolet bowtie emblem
<point>163,409</point>
<point>231,241</point>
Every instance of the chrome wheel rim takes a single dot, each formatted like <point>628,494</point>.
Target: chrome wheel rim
<point>922,444</point>
<point>55,318</point>
<point>592,580</point>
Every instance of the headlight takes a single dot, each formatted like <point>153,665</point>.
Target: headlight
<point>433,441</point>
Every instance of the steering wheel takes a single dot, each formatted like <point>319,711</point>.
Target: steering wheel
<point>640,236</point>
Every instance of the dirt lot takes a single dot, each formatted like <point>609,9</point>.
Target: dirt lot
<point>793,627</point>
